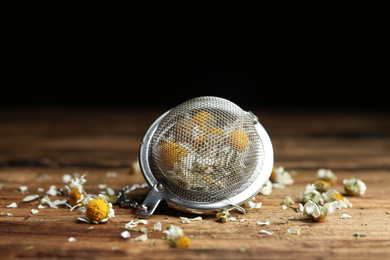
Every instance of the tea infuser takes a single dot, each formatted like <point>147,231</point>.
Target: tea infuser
<point>203,155</point>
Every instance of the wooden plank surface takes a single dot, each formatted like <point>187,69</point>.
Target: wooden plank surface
<point>38,146</point>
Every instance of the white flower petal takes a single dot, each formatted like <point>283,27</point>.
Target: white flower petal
<point>263,223</point>
<point>253,205</point>
<point>30,198</point>
<point>83,220</point>
<point>185,220</point>
<point>345,216</point>
<point>157,226</point>
<point>66,178</point>
<point>142,238</point>
<point>12,205</point>
<point>267,189</point>
<point>294,231</point>
<point>174,232</point>
<point>125,234</point>
<point>34,211</point>
<point>266,232</point>
<point>72,239</point>
<point>23,188</point>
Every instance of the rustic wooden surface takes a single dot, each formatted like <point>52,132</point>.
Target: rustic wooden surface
<point>38,146</point>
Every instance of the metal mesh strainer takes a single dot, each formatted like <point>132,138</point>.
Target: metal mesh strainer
<point>203,155</point>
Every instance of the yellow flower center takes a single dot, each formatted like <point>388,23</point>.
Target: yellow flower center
<point>321,218</point>
<point>202,118</point>
<point>171,153</point>
<point>74,196</point>
<point>97,210</point>
<point>183,242</point>
<point>337,196</point>
<point>238,140</point>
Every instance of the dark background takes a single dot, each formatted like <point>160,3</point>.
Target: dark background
<point>159,55</point>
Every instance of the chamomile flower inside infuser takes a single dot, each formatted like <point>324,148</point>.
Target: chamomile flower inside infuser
<point>205,154</point>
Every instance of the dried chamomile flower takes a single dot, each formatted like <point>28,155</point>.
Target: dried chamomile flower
<point>267,188</point>
<point>77,195</point>
<point>281,177</point>
<point>354,187</point>
<point>98,210</point>
<point>223,216</point>
<point>333,195</point>
<point>287,201</point>
<point>321,185</point>
<point>174,232</point>
<point>326,175</point>
<point>157,226</point>
<point>310,193</point>
<point>176,237</point>
<point>317,212</point>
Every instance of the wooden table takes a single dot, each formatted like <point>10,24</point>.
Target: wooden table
<point>38,146</point>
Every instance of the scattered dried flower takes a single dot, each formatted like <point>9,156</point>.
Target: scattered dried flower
<point>310,193</point>
<point>174,232</point>
<point>344,216</point>
<point>98,210</point>
<point>287,201</point>
<point>77,195</point>
<point>333,195</point>
<point>354,187</point>
<point>326,175</point>
<point>317,212</point>
<point>34,211</point>
<point>321,185</point>
<point>223,216</point>
<point>72,239</point>
<point>281,177</point>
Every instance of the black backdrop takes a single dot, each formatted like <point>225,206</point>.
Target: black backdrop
<point>157,54</point>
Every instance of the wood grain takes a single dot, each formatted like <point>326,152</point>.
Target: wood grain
<point>38,146</point>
